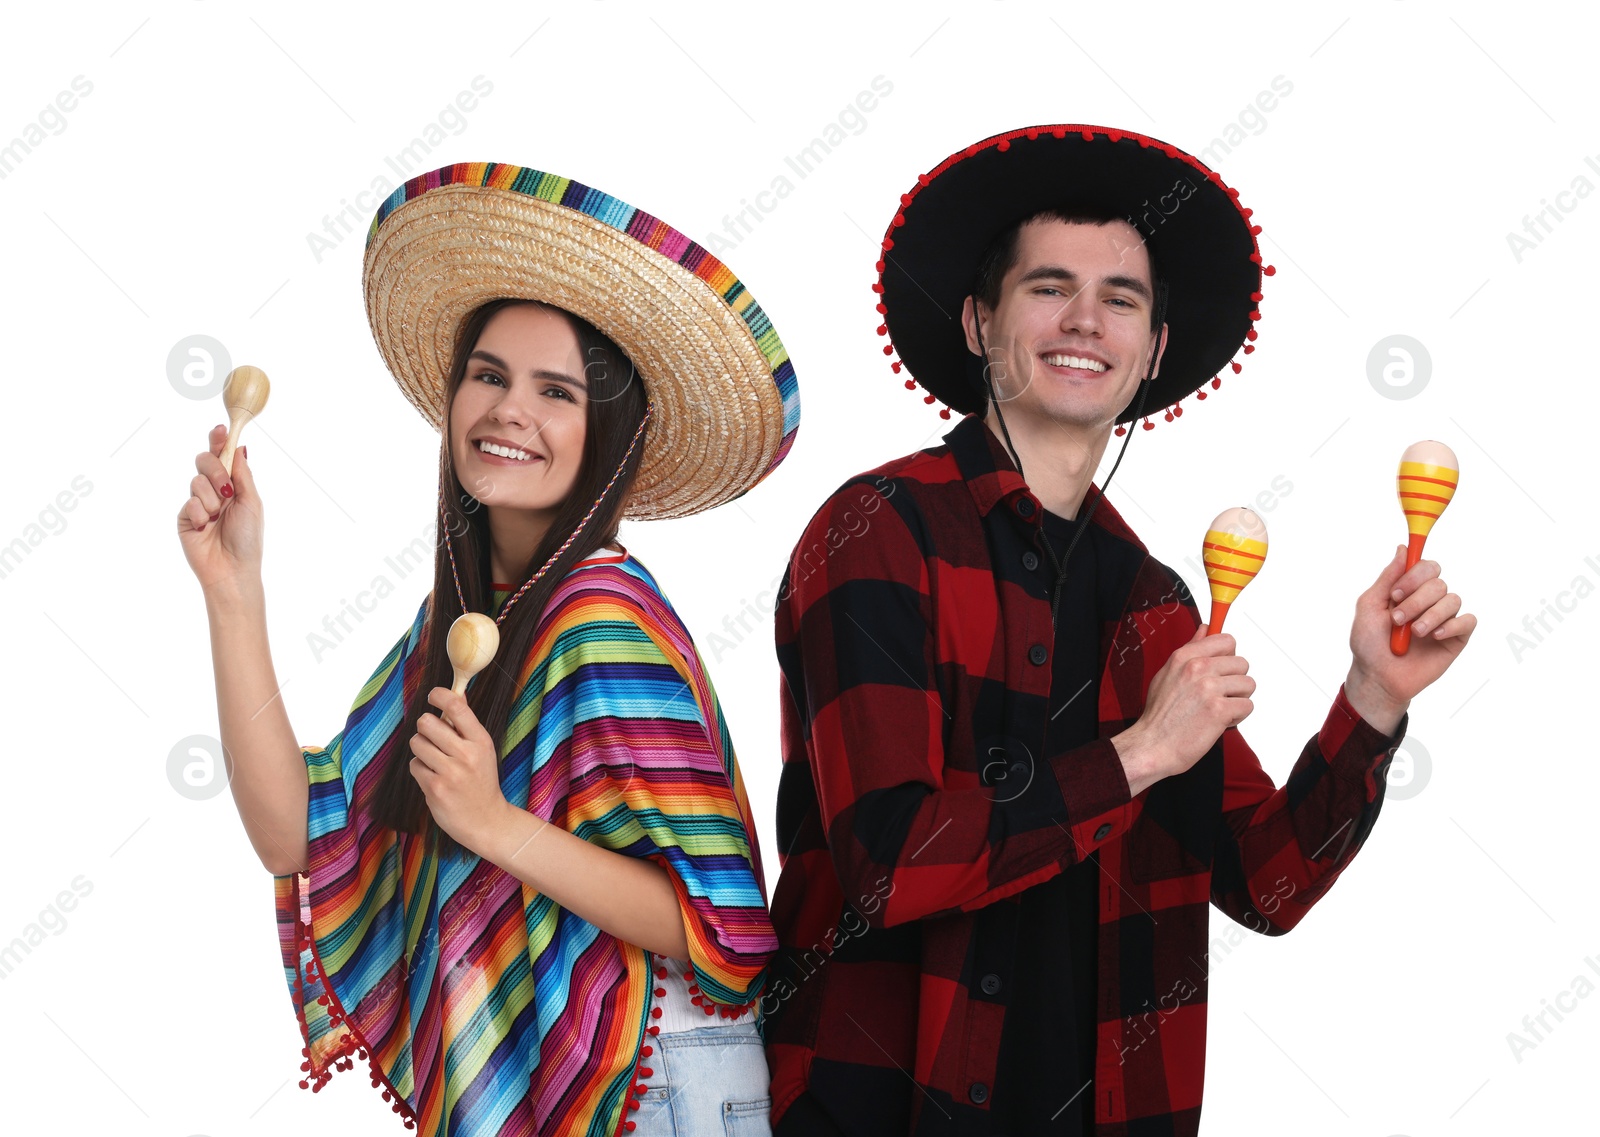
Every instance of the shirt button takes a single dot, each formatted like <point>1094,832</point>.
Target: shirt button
<point>990,984</point>
<point>1037,654</point>
<point>1030,560</point>
<point>1024,507</point>
<point>978,1092</point>
<point>1103,832</point>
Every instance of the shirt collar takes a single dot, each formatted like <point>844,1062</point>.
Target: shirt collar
<point>992,479</point>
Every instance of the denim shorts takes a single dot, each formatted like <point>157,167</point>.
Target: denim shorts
<point>711,1081</point>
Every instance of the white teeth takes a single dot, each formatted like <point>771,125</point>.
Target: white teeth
<point>505,451</point>
<point>1074,361</point>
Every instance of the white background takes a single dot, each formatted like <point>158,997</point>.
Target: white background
<point>178,198</point>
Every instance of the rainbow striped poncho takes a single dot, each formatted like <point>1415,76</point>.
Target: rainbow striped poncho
<point>483,1008</point>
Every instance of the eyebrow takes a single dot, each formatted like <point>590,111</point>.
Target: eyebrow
<point>1056,272</point>
<point>537,373</point>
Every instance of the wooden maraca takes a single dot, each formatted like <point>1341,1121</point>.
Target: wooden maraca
<point>1233,552</point>
<point>471,644</point>
<point>1426,483</point>
<point>244,394</point>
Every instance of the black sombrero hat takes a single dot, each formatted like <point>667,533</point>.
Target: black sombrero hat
<point>1203,237</point>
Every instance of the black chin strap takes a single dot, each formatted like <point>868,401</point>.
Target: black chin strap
<point>1060,564</point>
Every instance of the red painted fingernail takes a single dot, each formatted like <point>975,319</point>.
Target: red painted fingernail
<point>245,450</point>
<point>213,517</point>
<point>197,528</point>
<point>227,490</point>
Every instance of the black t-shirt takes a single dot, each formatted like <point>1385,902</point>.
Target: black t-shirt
<point>1048,1041</point>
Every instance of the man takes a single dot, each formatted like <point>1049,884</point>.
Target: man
<point>1013,781</point>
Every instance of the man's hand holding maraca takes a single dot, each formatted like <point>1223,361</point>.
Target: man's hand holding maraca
<point>1382,684</point>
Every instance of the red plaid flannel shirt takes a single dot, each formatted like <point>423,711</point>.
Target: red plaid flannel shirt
<point>914,641</point>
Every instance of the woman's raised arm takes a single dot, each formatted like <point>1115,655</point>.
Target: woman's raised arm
<point>221,535</point>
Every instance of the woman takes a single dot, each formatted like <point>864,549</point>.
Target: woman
<point>537,907</point>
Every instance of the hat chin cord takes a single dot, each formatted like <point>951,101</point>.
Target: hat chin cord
<point>1060,564</point>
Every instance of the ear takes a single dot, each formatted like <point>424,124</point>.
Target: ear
<point>1161,348</point>
<point>969,323</point>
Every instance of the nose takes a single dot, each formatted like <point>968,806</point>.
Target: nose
<point>514,412</point>
<point>1080,311</point>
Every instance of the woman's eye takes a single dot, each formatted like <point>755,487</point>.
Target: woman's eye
<point>562,391</point>
<point>487,375</point>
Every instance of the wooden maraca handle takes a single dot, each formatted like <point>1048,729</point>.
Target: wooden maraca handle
<point>459,686</point>
<point>244,394</point>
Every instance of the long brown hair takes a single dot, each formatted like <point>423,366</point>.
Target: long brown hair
<point>615,403</point>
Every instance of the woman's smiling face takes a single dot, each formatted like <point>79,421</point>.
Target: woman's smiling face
<point>523,391</point>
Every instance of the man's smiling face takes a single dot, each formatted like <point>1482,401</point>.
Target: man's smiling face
<point>1070,338</point>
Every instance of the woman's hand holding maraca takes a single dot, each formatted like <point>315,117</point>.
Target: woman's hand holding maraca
<point>221,524</point>
<point>455,763</point>
<point>1382,684</point>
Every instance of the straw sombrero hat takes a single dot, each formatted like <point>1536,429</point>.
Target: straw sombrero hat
<point>725,401</point>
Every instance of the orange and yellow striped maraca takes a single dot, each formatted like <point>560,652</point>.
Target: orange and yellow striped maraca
<point>1426,483</point>
<point>1233,552</point>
